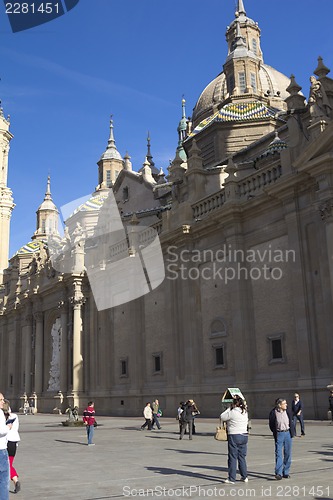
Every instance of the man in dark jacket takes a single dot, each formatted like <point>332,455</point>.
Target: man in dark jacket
<point>283,429</point>
<point>186,419</point>
<point>297,409</point>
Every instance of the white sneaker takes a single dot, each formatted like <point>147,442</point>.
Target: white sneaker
<point>245,479</point>
<point>227,481</point>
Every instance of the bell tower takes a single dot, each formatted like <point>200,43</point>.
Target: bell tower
<point>6,195</point>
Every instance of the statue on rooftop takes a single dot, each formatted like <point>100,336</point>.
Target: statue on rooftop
<point>319,104</point>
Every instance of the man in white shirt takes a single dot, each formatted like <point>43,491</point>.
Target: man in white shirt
<point>4,462</point>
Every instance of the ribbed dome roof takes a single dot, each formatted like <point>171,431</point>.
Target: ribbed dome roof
<point>216,91</point>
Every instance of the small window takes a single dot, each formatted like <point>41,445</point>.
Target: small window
<point>276,349</point>
<point>242,82</point>
<point>253,82</point>
<point>219,356</point>
<point>125,193</point>
<point>218,328</point>
<point>231,84</point>
<point>124,367</point>
<point>108,178</point>
<point>157,363</point>
<point>254,46</point>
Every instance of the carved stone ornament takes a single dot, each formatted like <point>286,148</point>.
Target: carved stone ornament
<point>326,210</point>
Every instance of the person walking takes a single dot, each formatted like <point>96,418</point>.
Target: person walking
<point>148,414</point>
<point>237,419</point>
<point>282,426</point>
<point>89,421</point>
<point>297,411</point>
<point>186,419</point>
<point>13,438</point>
<point>155,409</point>
<point>179,411</point>
<point>330,405</point>
<point>4,462</point>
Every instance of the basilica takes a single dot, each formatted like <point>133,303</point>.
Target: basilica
<point>215,274</point>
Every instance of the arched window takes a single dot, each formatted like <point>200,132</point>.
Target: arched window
<point>218,328</point>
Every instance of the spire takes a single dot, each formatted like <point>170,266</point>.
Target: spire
<point>321,69</point>
<point>111,142</point>
<point>111,150</point>
<point>149,155</point>
<point>182,130</point>
<point>48,202</point>
<point>47,215</point>
<point>240,8</point>
<point>239,39</point>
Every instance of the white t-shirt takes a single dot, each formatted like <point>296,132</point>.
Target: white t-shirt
<point>3,431</point>
<point>13,434</point>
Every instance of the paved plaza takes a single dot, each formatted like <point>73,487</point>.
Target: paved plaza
<point>55,462</point>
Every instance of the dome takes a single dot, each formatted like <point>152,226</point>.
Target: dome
<point>93,204</point>
<point>30,248</point>
<point>272,82</point>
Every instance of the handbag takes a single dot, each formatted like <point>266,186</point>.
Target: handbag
<point>221,433</point>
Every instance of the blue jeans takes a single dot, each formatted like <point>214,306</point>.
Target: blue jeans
<point>90,433</point>
<point>301,421</point>
<point>283,453</point>
<point>237,449</point>
<point>156,421</point>
<point>4,475</point>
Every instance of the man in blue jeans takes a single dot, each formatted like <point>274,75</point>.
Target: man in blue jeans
<point>89,421</point>
<point>283,429</point>
<point>4,461</point>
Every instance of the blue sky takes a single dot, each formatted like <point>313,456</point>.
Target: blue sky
<point>61,81</point>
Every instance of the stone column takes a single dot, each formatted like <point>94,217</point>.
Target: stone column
<point>39,353</point>
<point>326,212</point>
<point>27,334</point>
<point>63,306</point>
<point>77,301</point>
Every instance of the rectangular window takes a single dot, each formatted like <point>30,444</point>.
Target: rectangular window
<point>108,178</point>
<point>124,367</point>
<point>231,84</point>
<point>242,82</point>
<point>254,46</point>
<point>157,363</point>
<point>219,356</point>
<point>276,349</point>
<point>253,82</point>
<point>125,193</point>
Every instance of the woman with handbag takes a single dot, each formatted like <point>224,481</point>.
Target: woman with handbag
<point>236,418</point>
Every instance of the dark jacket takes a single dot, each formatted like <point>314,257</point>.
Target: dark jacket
<point>296,407</point>
<point>272,423</point>
<point>330,402</point>
<point>187,414</point>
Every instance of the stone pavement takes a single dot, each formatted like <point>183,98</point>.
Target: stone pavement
<point>54,462</point>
